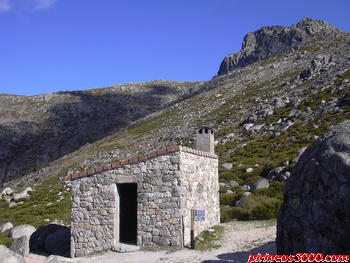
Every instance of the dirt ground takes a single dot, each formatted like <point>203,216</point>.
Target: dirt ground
<point>240,240</point>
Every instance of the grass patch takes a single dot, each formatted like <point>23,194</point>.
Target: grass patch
<point>255,207</point>
<point>208,240</point>
<point>43,203</point>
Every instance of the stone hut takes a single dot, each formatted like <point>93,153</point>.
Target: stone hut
<point>146,200</point>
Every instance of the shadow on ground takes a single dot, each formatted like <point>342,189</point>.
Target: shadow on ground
<point>242,257</point>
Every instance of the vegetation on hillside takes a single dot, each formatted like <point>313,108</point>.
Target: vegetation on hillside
<point>224,103</point>
<point>44,205</point>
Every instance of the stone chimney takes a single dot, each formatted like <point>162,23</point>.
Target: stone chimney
<point>205,139</point>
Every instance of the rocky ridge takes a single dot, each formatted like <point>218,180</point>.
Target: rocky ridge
<point>273,40</point>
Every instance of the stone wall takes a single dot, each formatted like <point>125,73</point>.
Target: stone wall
<point>169,185</point>
<point>200,190</point>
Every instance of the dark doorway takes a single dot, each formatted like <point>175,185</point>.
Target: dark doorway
<point>127,212</point>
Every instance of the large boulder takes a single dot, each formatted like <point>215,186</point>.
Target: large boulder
<point>52,239</point>
<point>21,246</point>
<point>315,216</point>
<point>21,230</point>
<point>58,243</point>
<point>8,256</point>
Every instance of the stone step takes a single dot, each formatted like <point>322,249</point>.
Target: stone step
<point>125,248</point>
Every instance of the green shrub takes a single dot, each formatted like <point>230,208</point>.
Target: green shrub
<point>262,206</point>
<point>226,176</point>
<point>225,214</point>
<point>267,210</point>
<point>229,213</point>
<point>240,213</point>
<point>275,190</point>
<point>256,207</point>
<point>228,199</point>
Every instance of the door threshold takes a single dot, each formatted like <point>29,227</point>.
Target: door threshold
<point>125,247</point>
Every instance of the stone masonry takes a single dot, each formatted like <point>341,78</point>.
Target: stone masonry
<point>168,184</point>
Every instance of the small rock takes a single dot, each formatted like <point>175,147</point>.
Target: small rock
<point>245,187</point>
<point>247,126</point>
<point>7,191</point>
<point>57,222</point>
<point>20,195</point>
<point>6,227</point>
<point>261,183</point>
<point>222,184</point>
<point>12,204</point>
<point>29,189</point>
<point>231,183</point>
<point>286,163</point>
<point>249,170</point>
<point>244,195</point>
<point>227,166</point>
<point>239,203</point>
<point>256,128</point>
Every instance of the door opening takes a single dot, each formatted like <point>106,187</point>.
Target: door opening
<point>127,213</point>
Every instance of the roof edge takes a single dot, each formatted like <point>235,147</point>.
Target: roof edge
<point>137,159</point>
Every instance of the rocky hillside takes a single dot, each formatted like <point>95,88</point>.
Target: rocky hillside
<point>267,102</point>
<point>36,130</point>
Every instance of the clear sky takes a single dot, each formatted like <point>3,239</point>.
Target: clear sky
<point>58,45</point>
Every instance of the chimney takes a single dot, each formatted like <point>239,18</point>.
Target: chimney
<point>205,139</point>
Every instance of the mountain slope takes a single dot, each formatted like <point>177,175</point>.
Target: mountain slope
<point>37,130</point>
<point>264,113</point>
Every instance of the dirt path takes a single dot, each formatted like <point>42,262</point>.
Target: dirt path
<point>240,240</point>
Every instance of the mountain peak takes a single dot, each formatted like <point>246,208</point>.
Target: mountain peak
<point>271,40</point>
<point>312,26</point>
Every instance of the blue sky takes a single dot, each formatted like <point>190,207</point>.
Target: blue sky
<point>58,45</point>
